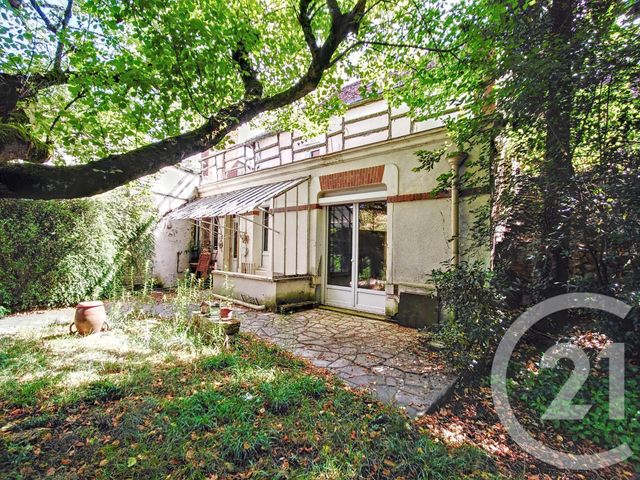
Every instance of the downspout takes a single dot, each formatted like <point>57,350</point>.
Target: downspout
<point>455,159</point>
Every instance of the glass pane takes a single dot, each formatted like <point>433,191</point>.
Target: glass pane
<point>235,233</point>
<point>372,245</point>
<point>265,231</point>
<point>340,245</point>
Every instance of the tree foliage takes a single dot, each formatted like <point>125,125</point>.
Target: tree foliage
<point>119,90</point>
<point>548,92</point>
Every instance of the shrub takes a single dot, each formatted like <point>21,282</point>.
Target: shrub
<point>474,313</point>
<point>60,252</point>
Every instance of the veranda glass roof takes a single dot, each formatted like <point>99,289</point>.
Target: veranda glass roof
<point>235,202</point>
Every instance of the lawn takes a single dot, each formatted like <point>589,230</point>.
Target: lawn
<point>150,400</point>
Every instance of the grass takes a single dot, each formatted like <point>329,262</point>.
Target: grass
<point>125,406</point>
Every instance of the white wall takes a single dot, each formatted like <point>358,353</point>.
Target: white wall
<point>171,188</point>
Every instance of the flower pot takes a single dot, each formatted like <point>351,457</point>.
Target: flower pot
<point>225,312</point>
<point>90,317</point>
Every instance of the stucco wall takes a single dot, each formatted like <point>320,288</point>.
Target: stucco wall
<point>171,188</point>
<point>265,291</point>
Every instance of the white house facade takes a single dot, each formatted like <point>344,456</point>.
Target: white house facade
<point>171,188</point>
<point>340,219</point>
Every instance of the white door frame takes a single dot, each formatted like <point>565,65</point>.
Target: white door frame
<point>352,297</point>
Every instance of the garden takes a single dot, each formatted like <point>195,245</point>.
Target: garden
<point>157,398</point>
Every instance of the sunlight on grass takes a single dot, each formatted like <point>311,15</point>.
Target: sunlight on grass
<point>151,399</point>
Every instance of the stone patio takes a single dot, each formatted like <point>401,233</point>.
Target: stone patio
<point>383,357</point>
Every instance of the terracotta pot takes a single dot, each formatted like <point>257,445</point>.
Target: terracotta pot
<point>90,317</point>
<point>224,312</point>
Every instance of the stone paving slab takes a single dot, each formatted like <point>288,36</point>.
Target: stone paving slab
<point>382,357</point>
<point>35,321</point>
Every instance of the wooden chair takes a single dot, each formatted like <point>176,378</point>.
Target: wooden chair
<point>204,262</point>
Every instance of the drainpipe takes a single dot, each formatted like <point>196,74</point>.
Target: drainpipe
<point>455,159</point>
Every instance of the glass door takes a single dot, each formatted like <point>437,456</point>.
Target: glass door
<point>356,257</point>
<point>339,291</point>
<point>372,257</point>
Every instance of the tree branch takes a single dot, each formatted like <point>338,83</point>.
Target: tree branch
<point>50,26</point>
<point>16,87</point>
<point>17,142</point>
<point>69,104</point>
<point>25,180</point>
<point>408,45</point>
<point>252,85</point>
<point>57,62</point>
<point>304,19</point>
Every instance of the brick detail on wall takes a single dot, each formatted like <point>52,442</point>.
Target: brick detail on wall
<point>413,197</point>
<point>352,178</point>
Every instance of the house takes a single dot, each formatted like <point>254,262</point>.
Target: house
<point>340,219</point>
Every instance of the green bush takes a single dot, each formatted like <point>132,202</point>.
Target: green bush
<point>474,314</point>
<point>60,252</point>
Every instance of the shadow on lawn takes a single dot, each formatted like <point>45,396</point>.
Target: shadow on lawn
<point>256,410</point>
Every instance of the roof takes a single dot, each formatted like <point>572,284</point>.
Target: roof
<point>234,202</point>
<point>350,94</point>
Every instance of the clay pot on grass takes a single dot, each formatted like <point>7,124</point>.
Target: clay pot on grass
<point>90,317</point>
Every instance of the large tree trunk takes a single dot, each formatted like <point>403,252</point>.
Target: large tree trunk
<point>557,168</point>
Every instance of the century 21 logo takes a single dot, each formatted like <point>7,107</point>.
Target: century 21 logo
<point>562,407</point>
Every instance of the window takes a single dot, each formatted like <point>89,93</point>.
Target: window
<point>265,230</point>
<point>372,245</point>
<point>340,245</point>
<point>235,232</point>
<point>215,231</point>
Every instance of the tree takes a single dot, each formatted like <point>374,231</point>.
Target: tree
<point>537,86</point>
<point>112,91</point>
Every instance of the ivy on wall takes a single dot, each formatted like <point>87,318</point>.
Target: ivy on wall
<point>55,253</point>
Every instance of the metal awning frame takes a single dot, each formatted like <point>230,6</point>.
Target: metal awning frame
<point>236,202</point>
<point>272,211</point>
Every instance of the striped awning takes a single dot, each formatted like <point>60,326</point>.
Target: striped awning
<point>234,203</point>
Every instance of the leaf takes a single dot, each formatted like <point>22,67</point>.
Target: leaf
<point>132,461</point>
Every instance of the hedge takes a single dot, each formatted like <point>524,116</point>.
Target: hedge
<point>59,252</point>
